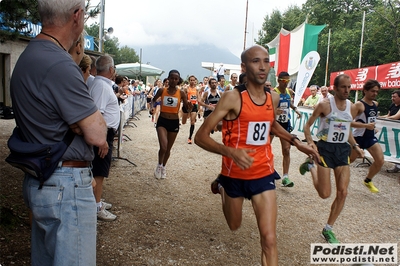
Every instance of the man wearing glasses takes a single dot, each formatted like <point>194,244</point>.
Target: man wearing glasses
<point>283,118</point>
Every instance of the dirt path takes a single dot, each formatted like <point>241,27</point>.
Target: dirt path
<point>178,221</point>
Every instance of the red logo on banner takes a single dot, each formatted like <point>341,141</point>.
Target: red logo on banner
<point>388,75</point>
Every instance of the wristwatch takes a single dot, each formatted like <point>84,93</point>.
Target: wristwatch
<point>356,145</point>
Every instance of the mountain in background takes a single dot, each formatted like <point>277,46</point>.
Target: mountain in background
<point>186,58</point>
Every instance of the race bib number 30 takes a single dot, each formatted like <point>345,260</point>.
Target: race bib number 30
<point>170,101</point>
<point>258,133</point>
<point>338,132</point>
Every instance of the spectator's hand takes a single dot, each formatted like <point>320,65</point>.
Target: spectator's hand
<point>76,129</point>
<point>298,114</point>
<point>242,158</point>
<point>103,150</point>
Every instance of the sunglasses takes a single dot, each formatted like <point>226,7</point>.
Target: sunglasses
<point>284,80</point>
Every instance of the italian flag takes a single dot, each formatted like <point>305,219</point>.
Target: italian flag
<point>288,48</point>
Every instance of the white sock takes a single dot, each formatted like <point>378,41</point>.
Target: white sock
<point>328,227</point>
<point>99,205</point>
<point>285,175</point>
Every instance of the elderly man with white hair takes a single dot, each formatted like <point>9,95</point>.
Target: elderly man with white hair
<point>64,208</point>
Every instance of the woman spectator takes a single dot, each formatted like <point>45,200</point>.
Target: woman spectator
<point>155,103</point>
<point>85,66</point>
<point>76,51</point>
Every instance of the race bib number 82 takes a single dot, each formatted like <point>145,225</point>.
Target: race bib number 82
<point>258,133</point>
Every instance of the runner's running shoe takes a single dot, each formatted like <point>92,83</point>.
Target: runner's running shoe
<point>330,237</point>
<point>371,187</point>
<point>304,166</point>
<point>286,182</point>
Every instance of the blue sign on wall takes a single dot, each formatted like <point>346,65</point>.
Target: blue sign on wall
<point>32,30</point>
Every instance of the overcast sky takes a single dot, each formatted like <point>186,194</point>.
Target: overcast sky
<point>148,22</point>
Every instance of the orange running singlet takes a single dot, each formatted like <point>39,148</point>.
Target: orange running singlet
<point>192,95</point>
<point>170,103</point>
<point>250,130</point>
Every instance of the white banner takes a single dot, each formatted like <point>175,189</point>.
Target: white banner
<point>388,133</point>
<point>306,70</point>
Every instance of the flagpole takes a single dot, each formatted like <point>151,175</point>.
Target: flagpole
<point>361,45</point>
<point>245,25</point>
<point>327,57</point>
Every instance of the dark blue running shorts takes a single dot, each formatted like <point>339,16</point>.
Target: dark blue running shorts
<point>235,188</point>
<point>366,143</point>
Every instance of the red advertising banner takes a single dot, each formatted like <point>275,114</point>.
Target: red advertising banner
<point>388,75</point>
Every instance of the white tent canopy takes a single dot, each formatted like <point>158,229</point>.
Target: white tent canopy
<point>136,70</point>
<point>229,69</point>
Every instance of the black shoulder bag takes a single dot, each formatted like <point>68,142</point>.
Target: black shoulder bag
<point>37,160</point>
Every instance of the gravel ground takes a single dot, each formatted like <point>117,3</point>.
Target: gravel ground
<point>178,221</point>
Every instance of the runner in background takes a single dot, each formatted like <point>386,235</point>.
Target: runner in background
<point>193,96</point>
<point>365,112</point>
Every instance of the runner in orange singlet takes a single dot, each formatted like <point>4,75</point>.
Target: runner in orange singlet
<point>248,116</point>
<point>168,122</point>
<point>193,96</point>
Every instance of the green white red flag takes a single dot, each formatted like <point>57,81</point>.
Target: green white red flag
<point>288,48</point>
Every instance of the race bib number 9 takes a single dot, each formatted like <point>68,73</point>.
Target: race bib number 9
<point>338,132</point>
<point>170,101</point>
<point>258,133</point>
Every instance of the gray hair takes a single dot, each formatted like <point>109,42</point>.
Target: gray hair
<point>104,62</point>
<point>58,12</point>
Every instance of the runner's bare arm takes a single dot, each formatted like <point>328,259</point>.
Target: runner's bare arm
<point>227,107</point>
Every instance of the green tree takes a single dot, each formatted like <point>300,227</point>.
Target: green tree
<point>272,25</point>
<point>127,55</point>
<point>15,13</point>
<point>111,46</point>
<point>13,17</point>
<point>381,42</point>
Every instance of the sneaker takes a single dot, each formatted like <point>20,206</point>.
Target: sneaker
<point>371,187</point>
<point>395,169</point>
<point>105,215</point>
<point>287,183</point>
<point>163,172</point>
<point>215,185</point>
<point>189,141</point>
<point>304,166</point>
<point>330,237</point>
<point>157,172</point>
<point>106,205</point>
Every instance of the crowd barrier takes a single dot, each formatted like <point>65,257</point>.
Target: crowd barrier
<point>388,132</point>
<point>129,110</point>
